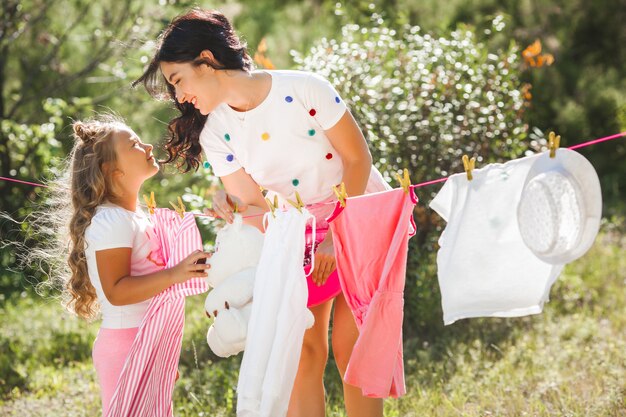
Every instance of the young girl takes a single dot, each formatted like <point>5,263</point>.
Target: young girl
<point>115,261</point>
<point>285,131</point>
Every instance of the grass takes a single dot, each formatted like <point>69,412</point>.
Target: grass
<point>568,361</point>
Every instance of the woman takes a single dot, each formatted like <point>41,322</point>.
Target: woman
<point>284,131</point>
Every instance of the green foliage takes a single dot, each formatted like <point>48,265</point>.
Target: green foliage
<point>34,154</point>
<point>36,334</point>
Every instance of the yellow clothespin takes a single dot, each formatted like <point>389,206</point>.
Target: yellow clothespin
<point>340,192</point>
<point>469,165</point>
<point>554,141</point>
<point>180,208</point>
<point>273,206</point>
<point>150,202</point>
<point>298,203</point>
<point>405,180</point>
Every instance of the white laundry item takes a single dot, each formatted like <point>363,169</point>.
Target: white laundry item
<point>561,207</point>
<point>227,334</point>
<point>278,321</point>
<point>484,267</point>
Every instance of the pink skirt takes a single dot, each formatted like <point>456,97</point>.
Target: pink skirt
<point>332,287</point>
<point>109,355</point>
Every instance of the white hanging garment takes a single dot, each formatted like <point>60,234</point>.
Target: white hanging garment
<point>484,267</point>
<point>278,319</point>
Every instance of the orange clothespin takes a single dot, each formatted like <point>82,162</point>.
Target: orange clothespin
<point>404,180</point>
<point>298,203</point>
<point>469,165</point>
<point>180,208</point>
<point>272,205</point>
<point>340,192</point>
<point>150,202</point>
<point>554,141</point>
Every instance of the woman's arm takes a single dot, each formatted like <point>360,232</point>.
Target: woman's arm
<point>240,188</point>
<point>347,138</point>
<point>120,288</point>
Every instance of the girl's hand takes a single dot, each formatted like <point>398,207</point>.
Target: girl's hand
<point>224,205</point>
<point>191,267</point>
<point>324,261</point>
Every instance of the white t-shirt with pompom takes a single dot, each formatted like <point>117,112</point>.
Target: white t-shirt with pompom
<point>281,143</point>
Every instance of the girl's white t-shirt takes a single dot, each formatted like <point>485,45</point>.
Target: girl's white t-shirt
<point>115,227</point>
<point>281,143</point>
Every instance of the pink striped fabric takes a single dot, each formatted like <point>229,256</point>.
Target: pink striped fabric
<point>147,379</point>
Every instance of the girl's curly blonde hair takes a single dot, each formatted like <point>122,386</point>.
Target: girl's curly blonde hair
<point>91,160</point>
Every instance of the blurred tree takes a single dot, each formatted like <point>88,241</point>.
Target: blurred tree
<point>59,49</point>
<point>55,55</point>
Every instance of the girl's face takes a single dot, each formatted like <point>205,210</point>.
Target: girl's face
<point>198,85</point>
<point>134,158</point>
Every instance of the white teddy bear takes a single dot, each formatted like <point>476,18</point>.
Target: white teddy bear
<point>233,267</point>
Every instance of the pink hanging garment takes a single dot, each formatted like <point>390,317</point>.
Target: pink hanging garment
<point>147,379</point>
<point>371,236</point>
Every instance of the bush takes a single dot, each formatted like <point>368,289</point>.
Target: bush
<point>423,102</point>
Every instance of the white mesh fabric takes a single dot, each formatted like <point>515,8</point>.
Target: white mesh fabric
<point>550,214</point>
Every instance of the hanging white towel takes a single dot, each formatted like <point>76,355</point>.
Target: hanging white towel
<point>278,320</point>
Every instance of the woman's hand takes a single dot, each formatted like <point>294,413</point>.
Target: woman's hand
<point>224,206</point>
<point>324,261</point>
<point>191,267</point>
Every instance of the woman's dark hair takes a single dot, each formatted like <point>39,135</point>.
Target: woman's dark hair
<point>182,41</point>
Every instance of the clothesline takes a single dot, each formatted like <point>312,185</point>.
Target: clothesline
<point>422,184</point>
<point>443,179</point>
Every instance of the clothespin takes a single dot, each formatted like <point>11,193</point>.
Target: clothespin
<point>298,203</point>
<point>180,208</point>
<point>469,165</point>
<point>150,202</point>
<point>273,206</point>
<point>554,142</point>
<point>404,180</point>
<point>340,192</point>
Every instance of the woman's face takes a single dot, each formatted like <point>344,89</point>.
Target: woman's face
<point>197,85</point>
